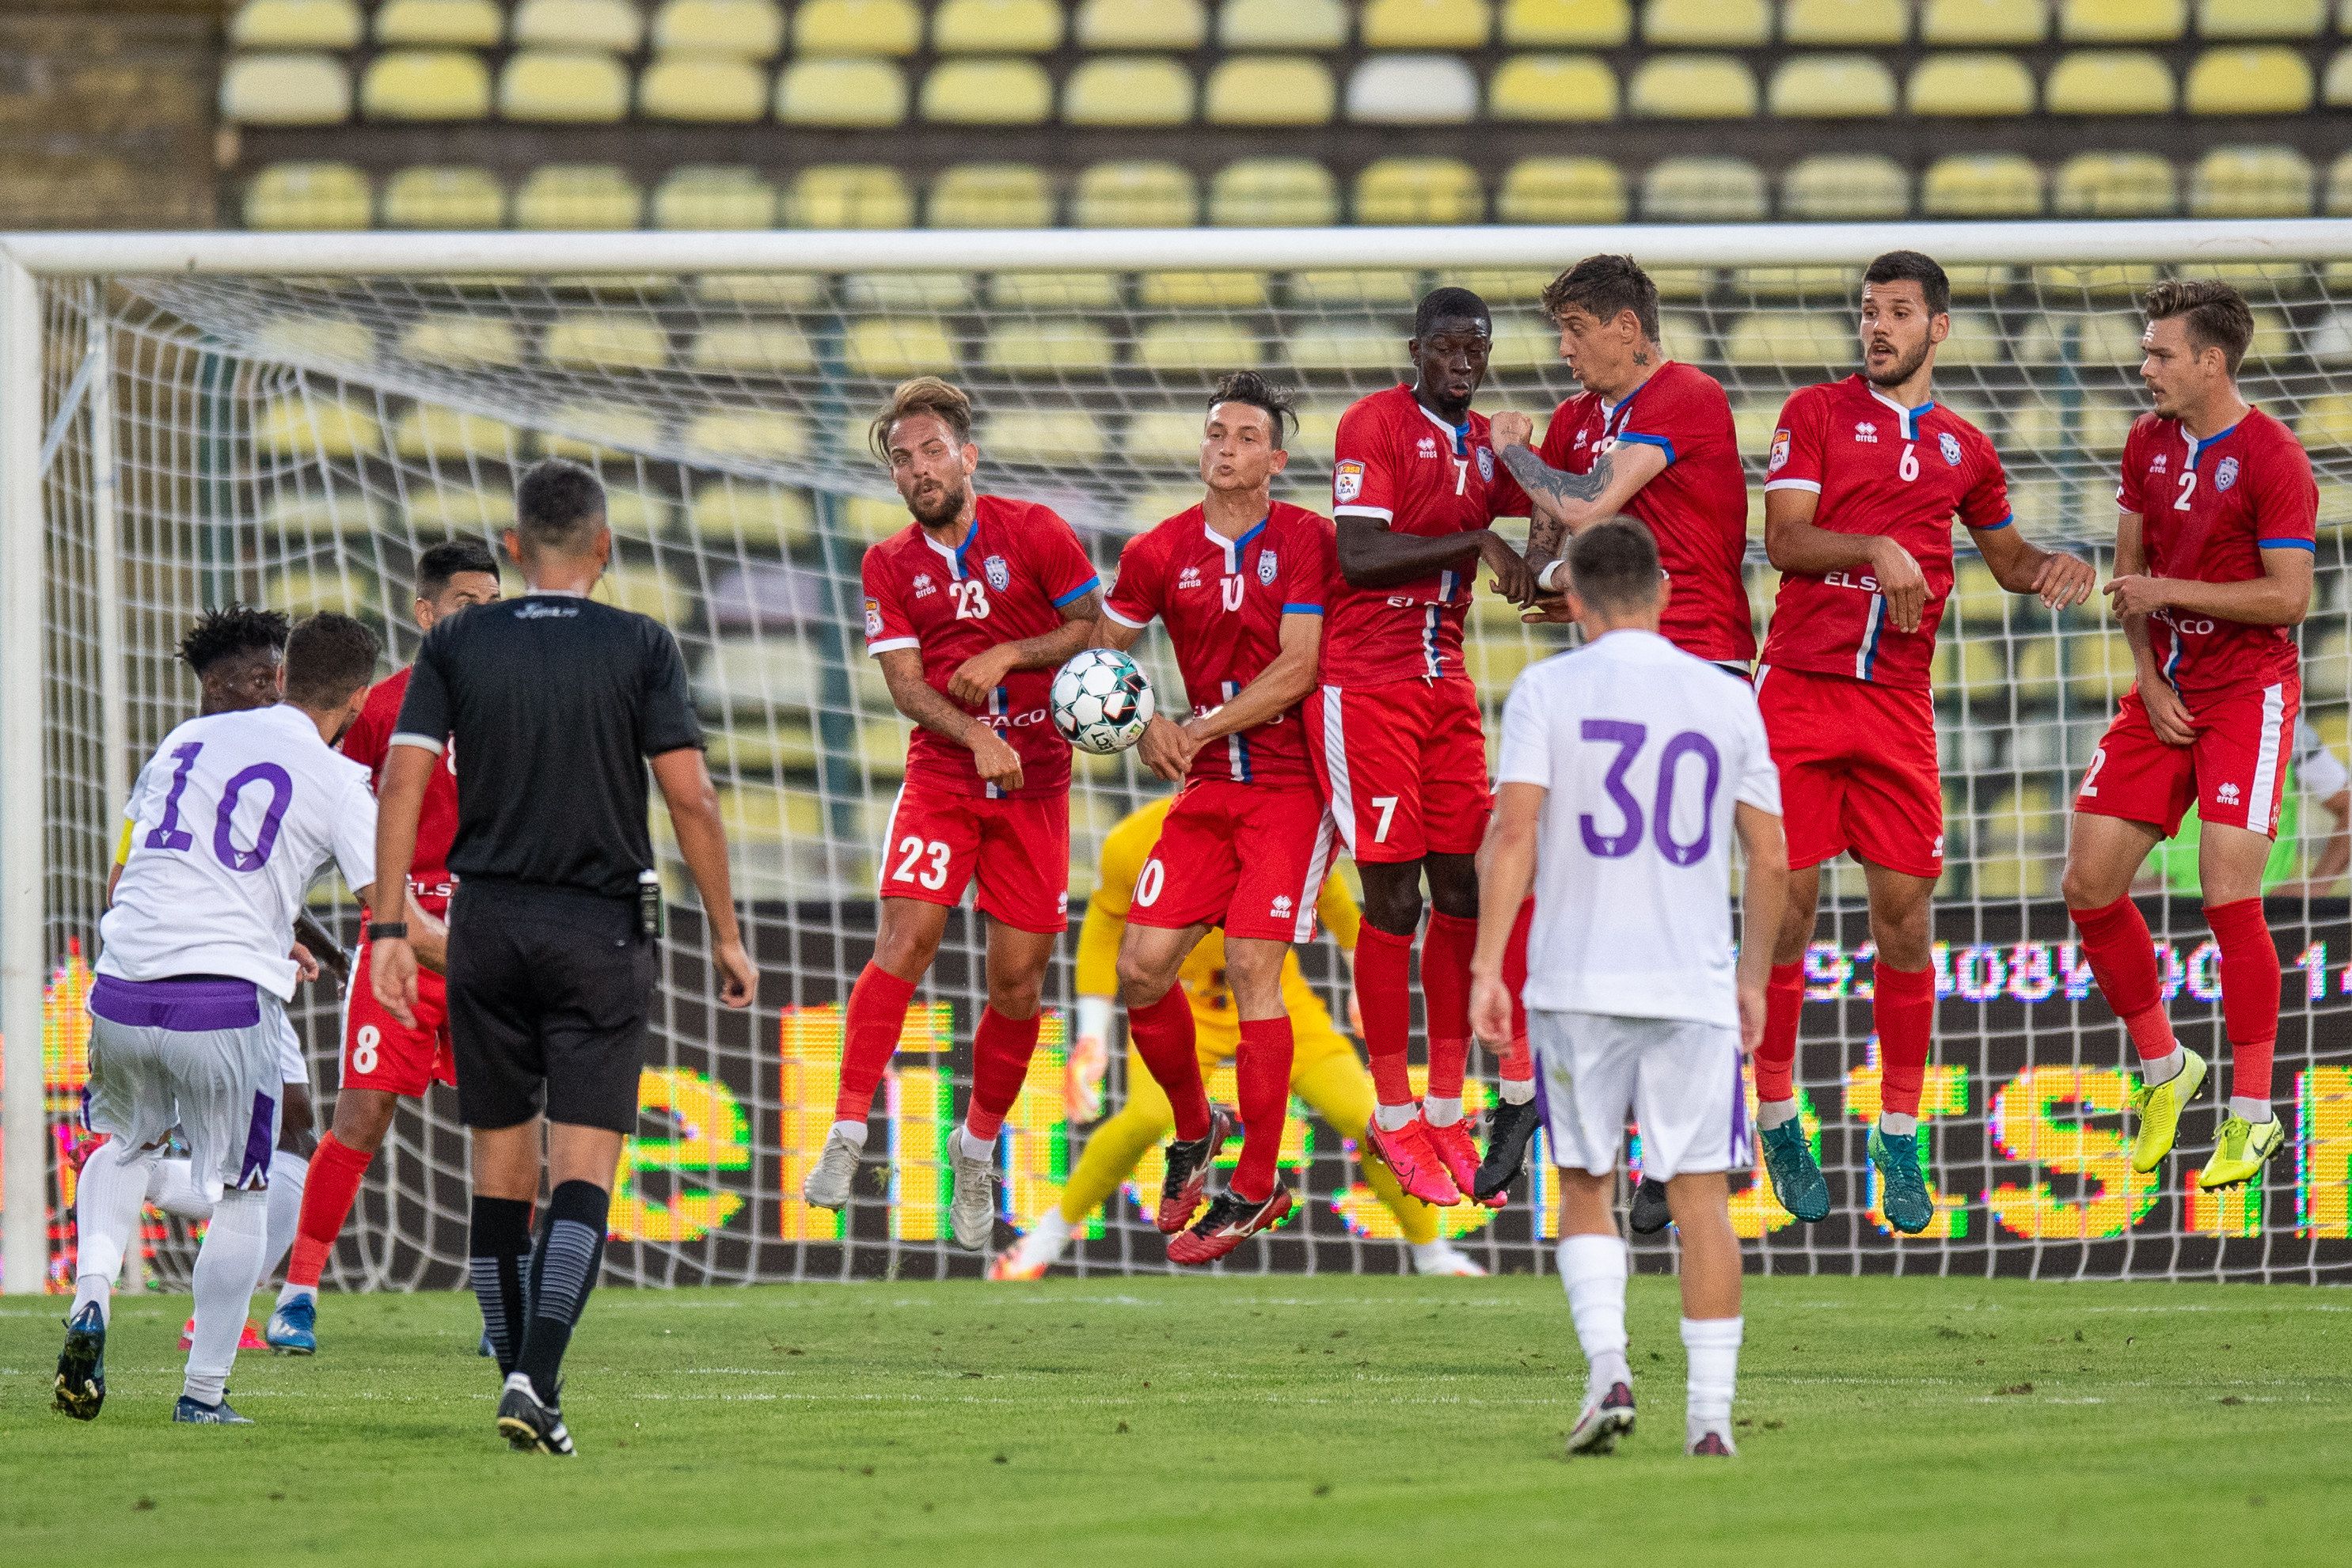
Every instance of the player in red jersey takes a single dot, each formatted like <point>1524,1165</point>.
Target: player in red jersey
<point>1239,581</point>
<point>1395,727</point>
<point>384,1059</point>
<point>1865,480</point>
<point>2214,550</point>
<point>971,608</point>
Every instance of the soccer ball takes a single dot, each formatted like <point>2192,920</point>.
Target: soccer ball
<point>1101,701</point>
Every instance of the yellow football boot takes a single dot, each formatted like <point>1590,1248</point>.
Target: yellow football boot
<point>2242,1150</point>
<point>2159,1110</point>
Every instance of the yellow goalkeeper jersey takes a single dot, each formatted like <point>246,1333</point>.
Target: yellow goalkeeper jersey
<point>1215,1022</point>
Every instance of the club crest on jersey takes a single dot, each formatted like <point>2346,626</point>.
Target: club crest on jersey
<point>2227,474</point>
<point>1348,480</point>
<point>1485,466</point>
<point>1266,568</point>
<point>873,618</point>
<point>1865,431</point>
<point>1779,458</point>
<point>1949,445</point>
<point>1000,576</point>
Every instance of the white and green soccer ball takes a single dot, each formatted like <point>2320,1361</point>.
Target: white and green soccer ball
<point>1101,701</point>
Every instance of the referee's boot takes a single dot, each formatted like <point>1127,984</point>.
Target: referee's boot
<point>529,1424</point>
<point>81,1365</point>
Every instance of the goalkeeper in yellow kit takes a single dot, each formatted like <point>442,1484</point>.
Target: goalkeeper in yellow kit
<point>1325,1071</point>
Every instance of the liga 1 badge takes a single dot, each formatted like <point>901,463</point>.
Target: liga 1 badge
<point>1779,458</point>
<point>873,619</point>
<point>1346,480</point>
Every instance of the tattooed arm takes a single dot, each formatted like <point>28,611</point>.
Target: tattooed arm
<point>1567,504</point>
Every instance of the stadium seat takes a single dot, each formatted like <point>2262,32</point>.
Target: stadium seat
<point>1848,21</point>
<point>1552,88</point>
<point>1792,338</point>
<point>1323,289</point>
<point>1693,86</point>
<point>1162,438</point>
<point>990,196</point>
<point>303,591</point>
<point>2336,87</point>
<point>1419,191</point>
<point>1981,185</point>
<point>285,90</point>
<point>703,89</point>
<point>2260,18</point>
<point>317,427</point>
<point>752,348</point>
<point>437,197</point>
<point>987,92</point>
<point>463,509</point>
<point>1721,23</point>
<point>327,339</point>
<point>1130,91</point>
<point>1830,287</point>
<point>2108,81</point>
<point>2114,186</point>
<point>849,196</point>
<point>1270,89</point>
<point>1196,290</point>
<point>1142,195</point>
<point>1974,23</point>
<point>729,511</point>
<point>1141,25</point>
<point>2102,338</point>
<point>2251,182</point>
<point>889,292</point>
<point>1852,186</point>
<point>714,197</point>
<point>761,435</point>
<point>1971,86</point>
<point>1054,291</point>
<point>308,197</point>
<point>1591,24</point>
<point>2259,78</point>
<point>582,342</point>
<point>892,347</point>
<point>1832,87</point>
<point>297,24</point>
<point>2097,424</point>
<point>1273,193</point>
<point>646,591</point>
<point>1283,25</point>
<point>1426,24</point>
<point>616,26</point>
<point>1562,191</point>
<point>324,514</point>
<point>858,27</point>
<point>1412,89</point>
<point>2338,198</point>
<point>2325,421</point>
<point>578,197</point>
<point>454,337</point>
<point>2098,669</point>
<point>1359,350</point>
<point>1059,438</point>
<point>744,29</point>
<point>865,93</point>
<point>461,24</point>
<point>1195,344</point>
<point>996,28</point>
<point>2123,21</point>
<point>563,87</point>
<point>1703,189</point>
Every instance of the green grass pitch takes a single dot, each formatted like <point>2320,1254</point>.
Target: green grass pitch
<point>1255,1419</point>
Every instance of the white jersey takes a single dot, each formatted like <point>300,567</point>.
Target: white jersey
<point>229,821</point>
<point>2319,770</point>
<point>1644,749</point>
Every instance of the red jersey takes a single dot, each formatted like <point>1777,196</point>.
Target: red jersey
<point>1223,602</point>
<point>1696,509</point>
<point>2208,510</point>
<point>1879,468</point>
<point>1016,568</point>
<point>1400,463</point>
<point>367,742</point>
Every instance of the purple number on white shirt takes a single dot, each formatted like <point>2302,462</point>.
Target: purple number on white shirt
<point>167,834</point>
<point>1627,738</point>
<point>1690,742</point>
<point>281,795</point>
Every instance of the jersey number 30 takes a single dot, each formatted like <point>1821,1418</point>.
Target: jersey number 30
<point>167,834</point>
<point>1628,738</point>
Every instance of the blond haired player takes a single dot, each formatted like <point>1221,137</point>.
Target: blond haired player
<point>1323,1068</point>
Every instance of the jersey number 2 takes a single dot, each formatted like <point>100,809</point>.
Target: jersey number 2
<point>2187,489</point>
<point>167,833</point>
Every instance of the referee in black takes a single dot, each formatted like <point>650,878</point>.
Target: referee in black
<point>551,706</point>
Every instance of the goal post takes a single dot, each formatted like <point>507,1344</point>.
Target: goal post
<point>291,418</point>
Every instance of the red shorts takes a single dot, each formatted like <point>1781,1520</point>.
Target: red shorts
<point>2233,773</point>
<point>1249,857</point>
<point>939,840</point>
<point>381,1052</point>
<point>1857,770</point>
<point>1404,764</point>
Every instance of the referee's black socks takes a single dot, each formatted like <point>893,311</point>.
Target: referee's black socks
<point>562,1272</point>
<point>498,1247</point>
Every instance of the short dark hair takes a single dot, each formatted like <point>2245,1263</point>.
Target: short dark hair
<point>1613,565</point>
<point>1602,286</point>
<point>1916,266</point>
<point>445,560</point>
<point>1448,304</point>
<point>558,506</point>
<point>230,631</point>
<point>1249,387</point>
<point>327,657</point>
<point>2218,315</point>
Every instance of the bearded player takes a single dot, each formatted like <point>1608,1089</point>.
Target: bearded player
<point>970,609</point>
<point>1395,727</point>
<point>2214,550</point>
<point>1865,478</point>
<point>383,1058</point>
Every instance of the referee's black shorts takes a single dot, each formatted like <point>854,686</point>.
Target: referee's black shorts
<point>549,992</point>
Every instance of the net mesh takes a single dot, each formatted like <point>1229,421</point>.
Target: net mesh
<point>299,441</point>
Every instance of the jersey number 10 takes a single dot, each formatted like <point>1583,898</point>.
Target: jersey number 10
<point>168,834</point>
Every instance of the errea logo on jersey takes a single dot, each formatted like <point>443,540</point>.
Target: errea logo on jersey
<point>923,586</point>
<point>1188,578</point>
<point>1427,446</point>
<point>1865,431</point>
<point>2227,794</point>
<point>2157,464</point>
<point>1281,908</point>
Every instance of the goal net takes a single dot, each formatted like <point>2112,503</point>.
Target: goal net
<point>291,421</point>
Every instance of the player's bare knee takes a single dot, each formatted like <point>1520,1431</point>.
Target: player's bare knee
<point>1016,996</point>
<point>362,1118</point>
<point>1454,885</point>
<point>1142,982</point>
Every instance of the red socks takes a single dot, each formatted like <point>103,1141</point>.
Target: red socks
<point>2250,993</point>
<point>1384,992</point>
<point>334,1183</point>
<point>1001,1048</point>
<point>1775,1056</point>
<point>1517,1065</point>
<point>1162,1034</point>
<point>877,1016</point>
<point>1262,1066</point>
<point>1445,953</point>
<point>2123,960</point>
<point>1904,1008</point>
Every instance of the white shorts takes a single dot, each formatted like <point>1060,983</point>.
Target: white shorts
<point>1679,1079</point>
<point>205,1056</point>
<point>293,1067</point>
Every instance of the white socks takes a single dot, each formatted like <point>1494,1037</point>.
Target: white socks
<point>226,1266</point>
<point>2164,1068</point>
<point>973,1148</point>
<point>854,1132</point>
<point>107,1200</point>
<point>1592,1269</point>
<point>1771,1114</point>
<point>1895,1124</point>
<point>1515,1091</point>
<point>1441,1112</point>
<point>1392,1118</point>
<point>1712,1344</point>
<point>172,1187</point>
<point>287,1173</point>
<point>2254,1111</point>
<point>1047,1239</point>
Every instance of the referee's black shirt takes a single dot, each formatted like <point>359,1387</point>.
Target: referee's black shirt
<point>553,702</point>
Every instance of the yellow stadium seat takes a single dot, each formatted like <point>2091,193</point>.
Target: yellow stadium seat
<point>463,24</point>
<point>2109,82</point>
<point>718,197</point>
<point>1693,86</point>
<point>308,197</point>
<point>996,28</point>
<point>1198,344</point>
<point>2251,182</point>
<point>616,26</point>
<point>1129,90</point>
<point>313,514</point>
<point>1358,348</point>
<point>892,292</point>
<point>1806,337</point>
<point>1596,23</point>
<point>1832,87</point>
<point>746,29</point>
<point>296,25</point>
<point>752,348</point>
<point>1054,291</point>
<point>1552,88</point>
<point>319,427</point>
<point>304,592</point>
<point>2336,87</point>
<point>1270,89</point>
<point>430,430</point>
<point>703,89</point>
<point>1703,189</point>
<point>1419,191</point>
<point>1139,195</point>
<point>1054,437</point>
<point>286,89</point>
<point>987,92</point>
<point>563,86</point>
<point>1048,347</point>
<point>1806,22</point>
<point>604,343</point>
<point>849,196</point>
<point>463,509</point>
<point>2114,186</point>
<point>892,347</point>
<point>1325,287</point>
<point>2325,421</point>
<point>765,435</point>
<point>1162,438</point>
<point>1201,290</point>
<point>841,93</point>
<point>1562,191</point>
<point>578,197</point>
<point>1426,24</point>
<point>1722,24</point>
<point>2123,21</point>
<point>992,197</point>
<point>450,338</point>
<point>2260,18</point>
<point>425,84</point>
<point>1273,193</point>
<point>1981,21</point>
<point>1141,25</point>
<point>858,27</point>
<point>1981,185</point>
<point>1283,25</point>
<point>645,589</point>
<point>1971,86</point>
<point>734,511</point>
<point>1852,186</point>
<point>1817,285</point>
<point>1412,89</point>
<point>435,197</point>
<point>2258,78</point>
